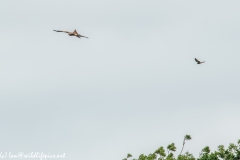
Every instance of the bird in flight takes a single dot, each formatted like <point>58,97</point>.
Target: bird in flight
<point>198,62</point>
<point>74,33</point>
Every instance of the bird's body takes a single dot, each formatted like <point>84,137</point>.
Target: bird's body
<point>74,33</point>
<point>198,62</point>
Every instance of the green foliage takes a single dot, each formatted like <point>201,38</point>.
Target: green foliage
<point>232,152</point>
<point>206,150</point>
<point>129,155</point>
<point>161,152</point>
<point>187,137</point>
<point>186,156</point>
<point>171,147</point>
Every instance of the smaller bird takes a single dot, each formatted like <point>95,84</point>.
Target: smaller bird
<point>74,33</point>
<point>198,62</point>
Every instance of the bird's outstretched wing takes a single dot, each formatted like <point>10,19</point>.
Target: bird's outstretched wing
<point>197,60</point>
<point>61,31</point>
<point>84,36</point>
<point>79,36</point>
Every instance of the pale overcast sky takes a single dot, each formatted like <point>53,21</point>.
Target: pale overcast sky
<point>133,86</point>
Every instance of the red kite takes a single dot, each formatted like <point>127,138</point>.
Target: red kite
<point>74,33</point>
<point>198,62</point>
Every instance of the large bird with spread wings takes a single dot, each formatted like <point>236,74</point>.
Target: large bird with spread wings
<point>198,62</point>
<point>74,33</point>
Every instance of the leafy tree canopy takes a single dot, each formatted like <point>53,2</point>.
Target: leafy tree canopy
<point>232,152</point>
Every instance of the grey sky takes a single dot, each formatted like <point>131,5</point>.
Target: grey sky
<point>131,87</point>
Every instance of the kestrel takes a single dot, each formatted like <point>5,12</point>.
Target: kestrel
<point>74,33</point>
<point>198,62</point>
